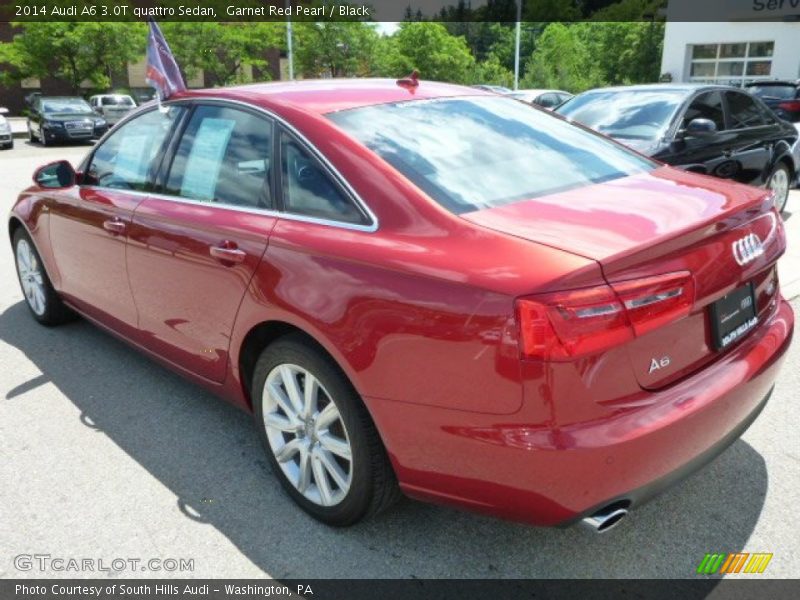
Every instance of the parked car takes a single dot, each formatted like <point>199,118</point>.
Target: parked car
<point>497,89</point>
<point>545,98</point>
<point>783,97</point>
<point>716,130</point>
<point>6,137</point>
<point>532,321</point>
<point>63,119</point>
<point>112,107</point>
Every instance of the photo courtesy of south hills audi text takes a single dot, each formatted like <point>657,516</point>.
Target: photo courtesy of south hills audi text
<point>300,296</point>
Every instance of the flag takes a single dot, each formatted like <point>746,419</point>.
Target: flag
<point>162,70</point>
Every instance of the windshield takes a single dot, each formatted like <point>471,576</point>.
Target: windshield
<point>480,152</point>
<point>781,92</point>
<point>117,101</point>
<point>65,105</point>
<point>629,114</point>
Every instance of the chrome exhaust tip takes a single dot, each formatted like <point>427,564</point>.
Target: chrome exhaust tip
<point>605,519</point>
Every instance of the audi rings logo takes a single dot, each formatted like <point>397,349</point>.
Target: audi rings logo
<point>747,249</point>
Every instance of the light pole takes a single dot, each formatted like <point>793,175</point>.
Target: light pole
<point>516,45</point>
<point>289,53</point>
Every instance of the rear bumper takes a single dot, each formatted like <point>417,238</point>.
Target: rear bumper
<point>528,469</point>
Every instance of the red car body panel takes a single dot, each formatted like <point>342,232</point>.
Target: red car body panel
<point>420,315</point>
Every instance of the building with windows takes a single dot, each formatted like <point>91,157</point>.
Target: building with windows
<point>731,53</point>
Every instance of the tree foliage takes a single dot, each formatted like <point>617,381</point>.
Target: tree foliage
<point>335,48</point>
<point>221,50</point>
<point>73,52</point>
<point>429,48</point>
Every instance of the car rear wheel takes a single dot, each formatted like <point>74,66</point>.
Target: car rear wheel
<point>319,438</point>
<point>778,182</point>
<point>41,297</point>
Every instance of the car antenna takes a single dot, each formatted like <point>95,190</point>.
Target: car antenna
<point>411,82</point>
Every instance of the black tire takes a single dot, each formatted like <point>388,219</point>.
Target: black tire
<point>55,311</point>
<point>373,486</point>
<point>780,203</point>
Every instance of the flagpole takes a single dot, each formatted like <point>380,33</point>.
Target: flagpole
<point>289,52</point>
<point>516,46</point>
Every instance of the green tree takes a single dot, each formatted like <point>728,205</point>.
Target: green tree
<point>429,48</point>
<point>335,48</point>
<point>562,60</point>
<point>222,50</point>
<point>73,52</point>
<point>491,71</point>
<point>624,52</point>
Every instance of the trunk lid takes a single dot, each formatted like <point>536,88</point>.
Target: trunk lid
<point>650,224</point>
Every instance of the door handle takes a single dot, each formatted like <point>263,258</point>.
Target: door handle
<point>227,252</point>
<point>115,226</point>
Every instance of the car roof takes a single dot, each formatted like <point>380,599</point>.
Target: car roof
<point>774,82</point>
<point>666,87</point>
<point>542,91</point>
<point>60,97</point>
<point>330,95</point>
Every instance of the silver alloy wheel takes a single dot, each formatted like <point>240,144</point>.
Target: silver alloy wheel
<point>307,435</point>
<point>30,276</point>
<point>779,184</point>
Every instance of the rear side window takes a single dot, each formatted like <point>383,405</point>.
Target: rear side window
<point>480,152</point>
<point>309,191</point>
<point>743,111</point>
<point>706,106</point>
<point>125,160</point>
<point>225,157</point>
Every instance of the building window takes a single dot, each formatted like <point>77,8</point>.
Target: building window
<point>732,64</point>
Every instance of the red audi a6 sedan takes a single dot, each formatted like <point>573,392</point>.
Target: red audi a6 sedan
<point>423,287</point>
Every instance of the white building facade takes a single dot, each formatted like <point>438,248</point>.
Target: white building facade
<point>732,52</point>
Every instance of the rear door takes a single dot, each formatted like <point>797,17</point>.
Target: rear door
<point>194,245</point>
<point>88,230</point>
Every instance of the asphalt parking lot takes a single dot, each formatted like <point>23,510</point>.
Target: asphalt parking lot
<point>106,455</point>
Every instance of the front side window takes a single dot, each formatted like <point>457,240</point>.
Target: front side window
<point>309,191</point>
<point>706,106</point>
<point>125,160</point>
<point>225,157</point>
<point>480,152</point>
<point>743,111</point>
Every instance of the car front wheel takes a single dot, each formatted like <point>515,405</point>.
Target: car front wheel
<point>779,183</point>
<point>41,297</point>
<point>319,438</point>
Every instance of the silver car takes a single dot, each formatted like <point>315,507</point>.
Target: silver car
<point>112,106</point>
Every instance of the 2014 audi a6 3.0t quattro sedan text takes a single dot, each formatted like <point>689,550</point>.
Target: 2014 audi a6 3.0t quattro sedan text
<point>423,287</point>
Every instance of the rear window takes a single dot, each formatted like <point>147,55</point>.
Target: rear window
<point>474,153</point>
<point>625,114</point>
<point>117,101</point>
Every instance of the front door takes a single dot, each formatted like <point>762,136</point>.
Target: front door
<point>89,229</point>
<point>194,247</point>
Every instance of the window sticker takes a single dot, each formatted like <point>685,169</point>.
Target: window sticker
<point>130,163</point>
<point>205,158</point>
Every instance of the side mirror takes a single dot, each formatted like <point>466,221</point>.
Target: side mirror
<point>700,128</point>
<point>55,175</point>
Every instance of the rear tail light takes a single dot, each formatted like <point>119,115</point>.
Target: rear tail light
<point>791,105</point>
<point>571,324</point>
